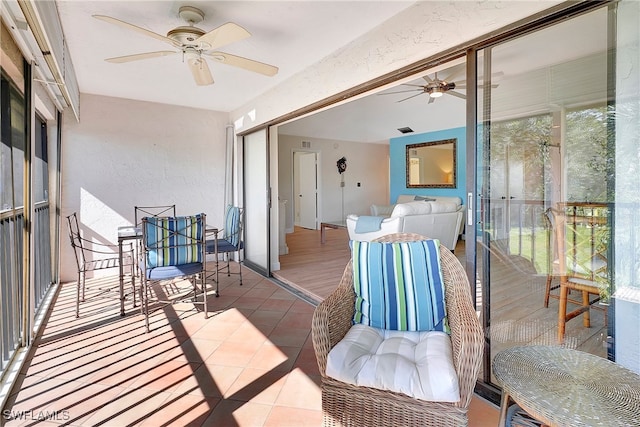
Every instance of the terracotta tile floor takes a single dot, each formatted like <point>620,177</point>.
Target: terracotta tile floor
<point>251,363</point>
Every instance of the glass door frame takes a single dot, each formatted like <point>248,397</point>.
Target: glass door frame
<point>484,386</point>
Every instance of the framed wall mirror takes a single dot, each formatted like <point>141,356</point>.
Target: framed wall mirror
<point>432,164</point>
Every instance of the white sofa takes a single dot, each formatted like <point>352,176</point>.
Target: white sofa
<point>434,217</point>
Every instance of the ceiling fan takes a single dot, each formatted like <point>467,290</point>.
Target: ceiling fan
<point>436,87</point>
<point>196,44</point>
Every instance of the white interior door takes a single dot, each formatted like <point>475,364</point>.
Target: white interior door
<point>305,189</point>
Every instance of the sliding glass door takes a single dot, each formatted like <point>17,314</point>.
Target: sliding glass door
<point>556,133</point>
<point>256,200</point>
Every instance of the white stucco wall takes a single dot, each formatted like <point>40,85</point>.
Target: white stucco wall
<point>367,164</point>
<point>126,153</point>
<point>423,30</point>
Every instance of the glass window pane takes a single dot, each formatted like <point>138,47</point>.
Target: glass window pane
<point>17,145</point>
<point>6,183</point>
<point>40,177</point>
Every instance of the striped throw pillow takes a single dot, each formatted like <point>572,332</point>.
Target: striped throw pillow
<point>399,285</point>
<point>173,240</point>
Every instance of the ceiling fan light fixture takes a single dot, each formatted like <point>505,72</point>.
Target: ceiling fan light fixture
<point>191,14</point>
<point>192,56</point>
<point>436,93</point>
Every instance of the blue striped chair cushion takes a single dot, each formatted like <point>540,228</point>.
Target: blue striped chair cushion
<point>171,271</point>
<point>173,240</point>
<point>232,225</point>
<point>223,246</point>
<point>399,285</point>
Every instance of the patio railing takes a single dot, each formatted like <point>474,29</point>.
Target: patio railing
<point>12,288</point>
<point>517,227</point>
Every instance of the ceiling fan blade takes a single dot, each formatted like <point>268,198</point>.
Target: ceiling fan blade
<point>456,94</point>
<point>401,91</point>
<point>200,71</point>
<point>223,35</point>
<point>428,79</point>
<point>409,84</point>
<point>134,28</point>
<point>497,76</point>
<point>245,63</point>
<point>455,72</point>
<point>431,100</point>
<point>139,56</point>
<point>412,96</point>
<point>464,86</point>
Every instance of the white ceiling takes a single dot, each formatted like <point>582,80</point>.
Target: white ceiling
<point>291,35</point>
<point>541,72</point>
<point>377,117</point>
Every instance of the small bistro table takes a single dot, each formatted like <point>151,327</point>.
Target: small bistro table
<point>563,387</point>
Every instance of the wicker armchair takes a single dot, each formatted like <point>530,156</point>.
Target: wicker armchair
<point>346,404</point>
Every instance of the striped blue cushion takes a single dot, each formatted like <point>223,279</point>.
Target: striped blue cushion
<point>232,225</point>
<point>399,285</point>
<point>173,240</point>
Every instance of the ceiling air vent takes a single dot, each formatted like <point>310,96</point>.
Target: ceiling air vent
<point>306,144</point>
<point>405,130</point>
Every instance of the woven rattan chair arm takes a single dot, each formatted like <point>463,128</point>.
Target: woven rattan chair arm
<point>332,319</point>
<point>467,338</point>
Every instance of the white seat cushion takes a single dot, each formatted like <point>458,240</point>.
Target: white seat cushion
<point>418,364</point>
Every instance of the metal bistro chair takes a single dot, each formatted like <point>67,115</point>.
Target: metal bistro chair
<point>228,240</point>
<point>152,211</point>
<point>140,212</point>
<point>92,256</point>
<point>173,248</point>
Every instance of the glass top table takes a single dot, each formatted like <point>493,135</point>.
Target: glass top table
<point>330,224</point>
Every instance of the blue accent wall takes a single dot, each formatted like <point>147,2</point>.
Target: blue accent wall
<point>397,151</point>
